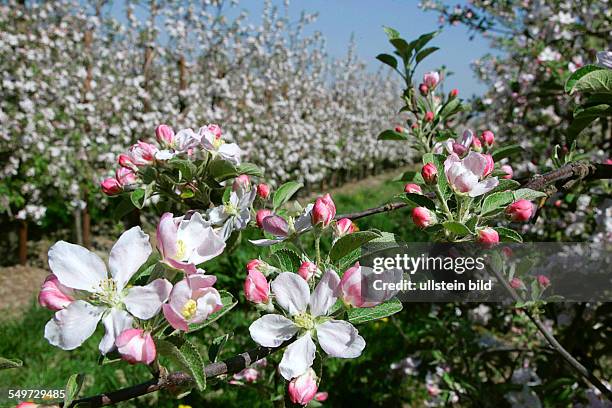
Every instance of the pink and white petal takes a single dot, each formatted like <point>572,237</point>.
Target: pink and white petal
<point>484,187</point>
<point>144,302</point>
<point>339,338</point>
<point>175,319</point>
<point>76,267</point>
<point>451,161</point>
<point>166,236</point>
<point>298,357</point>
<point>114,322</point>
<point>210,245</point>
<point>71,326</point>
<point>272,330</point>
<point>231,152</point>
<point>325,294</point>
<point>304,221</point>
<point>199,281</point>
<point>131,250</point>
<point>275,225</point>
<point>476,163</point>
<point>208,303</point>
<point>181,293</point>
<point>291,292</point>
<point>265,242</point>
<point>186,267</point>
<point>149,350</point>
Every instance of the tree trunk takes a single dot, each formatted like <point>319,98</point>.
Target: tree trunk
<point>23,242</point>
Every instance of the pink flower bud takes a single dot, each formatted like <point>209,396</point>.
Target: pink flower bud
<point>111,186</point>
<point>431,79</point>
<point>254,264</point>
<point>143,154</point>
<point>307,270</point>
<point>256,287</point>
<point>459,149</point>
<point>488,236</point>
<point>344,227</point>
<point>490,164</point>
<point>516,283</point>
<point>136,346</point>
<point>164,135</point>
<point>429,173</point>
<point>543,281</point>
<point>521,210</point>
<point>53,295</point>
<point>414,126</point>
<point>453,93</point>
<point>488,137</point>
<point>429,116</point>
<point>413,188</point>
<point>215,130</point>
<point>507,251</point>
<point>302,389</point>
<point>242,182</point>
<point>324,211</point>
<point>558,203</point>
<point>422,217</point>
<point>261,214</point>
<point>508,170</point>
<point>399,129</point>
<point>26,404</point>
<point>608,162</point>
<point>125,176</point>
<point>125,161</point>
<point>263,190</point>
<point>476,145</point>
<point>423,89</point>
<point>248,375</point>
<point>321,396</point>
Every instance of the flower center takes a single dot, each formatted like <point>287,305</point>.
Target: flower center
<point>189,309</point>
<point>217,142</point>
<point>107,292</point>
<point>230,209</point>
<point>181,249</point>
<point>305,321</point>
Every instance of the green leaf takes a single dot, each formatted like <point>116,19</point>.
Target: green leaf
<point>577,126</point>
<point>598,81</point>
<point>410,177</point>
<point>187,357</point>
<point>419,200</point>
<point>442,182</point>
<point>457,228</point>
<point>284,193</point>
<point>221,169</point>
<point>186,167</point>
<point>214,350</point>
<point>10,363</point>
<point>138,198</point>
<point>350,242</point>
<point>423,40</point>
<point>527,194</point>
<point>229,302</point>
<point>506,151</point>
<point>391,32</point>
<point>387,59</point>
<point>123,207</point>
<point>593,111</point>
<point>285,259</point>
<point>507,234</point>
<point>496,201</point>
<point>450,108</point>
<point>367,314</point>
<point>73,386</point>
<point>402,47</point>
<point>579,73</point>
<point>392,135</point>
<point>425,53</point>
<point>250,169</point>
<point>505,184</point>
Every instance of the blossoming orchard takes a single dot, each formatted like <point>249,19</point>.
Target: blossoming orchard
<point>210,209</point>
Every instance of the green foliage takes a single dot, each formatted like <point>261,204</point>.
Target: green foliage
<point>368,314</point>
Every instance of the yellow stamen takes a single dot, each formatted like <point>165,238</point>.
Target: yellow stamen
<point>189,309</point>
<point>180,249</point>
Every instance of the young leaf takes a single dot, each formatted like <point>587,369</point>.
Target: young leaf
<point>402,47</point>
<point>10,363</point>
<point>598,81</point>
<point>187,357</point>
<point>527,194</point>
<point>425,53</point>
<point>508,235</point>
<point>579,73</point>
<point>457,228</point>
<point>392,135</point>
<point>410,177</point>
<point>506,151</point>
<point>495,201</point>
<point>221,169</point>
<point>391,32</point>
<point>367,314</point>
<point>284,193</point>
<point>217,345</point>
<point>285,259</point>
<point>138,198</point>
<point>349,243</point>
<point>250,169</point>
<point>387,59</point>
<point>505,184</point>
<point>73,386</point>
<point>419,200</point>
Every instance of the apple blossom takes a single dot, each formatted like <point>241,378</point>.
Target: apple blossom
<point>53,295</point>
<point>464,175</point>
<point>235,214</point>
<point>191,301</point>
<point>413,188</point>
<point>186,242</point>
<point>490,164</point>
<point>357,286</point>
<point>508,170</point>
<point>343,227</point>
<point>103,298</point>
<point>476,145</point>
<point>520,210</point>
<point>125,176</point>
<point>422,217</point>
<point>307,270</point>
<point>111,186</point>
<point>125,161</point>
<point>263,190</point>
<point>303,388</point>
<point>256,287</point>
<point>142,153</point>
<point>164,135</point>
<point>260,215</point>
<point>242,182</point>
<point>321,396</point>
<point>26,404</point>
<point>211,140</point>
<point>429,116</point>
<point>488,236</point>
<point>248,375</point>
<point>429,173</point>
<point>543,281</point>
<point>283,229</point>
<point>307,316</point>
<point>324,211</point>
<point>136,346</point>
<point>453,93</point>
<point>423,89</point>
<point>431,79</point>
<point>516,283</point>
<point>488,137</point>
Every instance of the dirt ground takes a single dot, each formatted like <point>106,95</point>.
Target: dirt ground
<point>19,284</point>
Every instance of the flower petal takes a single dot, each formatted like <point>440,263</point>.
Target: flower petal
<point>272,330</point>
<point>115,322</point>
<point>175,319</point>
<point>325,294</point>
<point>200,240</point>
<point>275,225</point>
<point>340,339</point>
<point>144,302</point>
<point>298,357</point>
<point>292,292</point>
<point>484,187</point>
<point>71,326</point>
<point>476,163</point>
<point>131,250</point>
<point>76,267</point>
<point>166,235</point>
<point>265,242</point>
<point>209,301</point>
